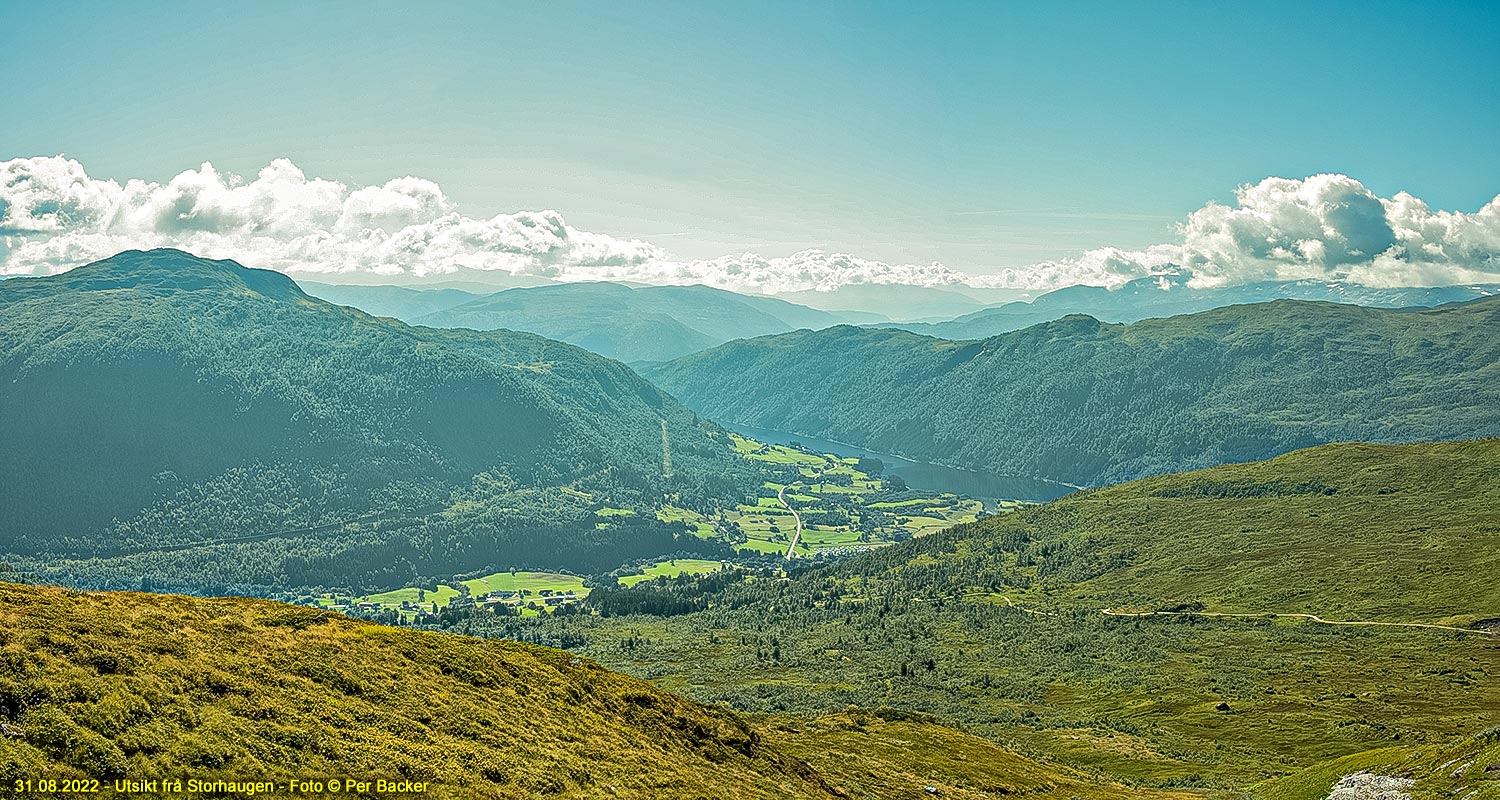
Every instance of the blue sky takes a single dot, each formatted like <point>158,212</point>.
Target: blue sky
<point>981,135</point>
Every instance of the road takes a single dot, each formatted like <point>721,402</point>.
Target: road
<point>1110,612</point>
<point>796,537</point>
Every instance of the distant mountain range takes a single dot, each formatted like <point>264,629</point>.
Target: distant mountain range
<point>156,399</point>
<point>893,301</point>
<point>398,302</point>
<point>646,323</point>
<point>1169,295</point>
<point>1088,402</point>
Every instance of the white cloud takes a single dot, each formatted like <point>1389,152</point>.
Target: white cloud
<point>53,216</point>
<point>1323,227</point>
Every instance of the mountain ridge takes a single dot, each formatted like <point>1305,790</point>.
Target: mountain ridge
<point>161,399</point>
<point>633,324</point>
<point>1086,402</point>
<point>1170,295</point>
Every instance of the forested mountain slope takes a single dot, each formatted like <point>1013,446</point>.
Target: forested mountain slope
<point>1170,295</point>
<point>1090,403</point>
<point>645,323</point>
<point>998,624</point>
<point>156,399</point>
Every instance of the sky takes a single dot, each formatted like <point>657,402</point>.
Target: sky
<point>761,146</point>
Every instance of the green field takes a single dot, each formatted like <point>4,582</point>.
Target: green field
<point>673,568</point>
<point>529,584</point>
<point>828,483</point>
<point>411,594</point>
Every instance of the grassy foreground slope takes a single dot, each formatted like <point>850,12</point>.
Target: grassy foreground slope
<point>997,624</point>
<point>1090,403</point>
<point>128,685</point>
<point>1467,768</point>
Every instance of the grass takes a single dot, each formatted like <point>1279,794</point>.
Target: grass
<point>1468,767</point>
<point>673,568</point>
<point>1395,533</point>
<point>827,483</point>
<point>870,756</point>
<point>411,594</point>
<point>530,584</point>
<point>125,685</point>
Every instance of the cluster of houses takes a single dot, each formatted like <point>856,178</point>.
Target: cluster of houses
<point>417,610</point>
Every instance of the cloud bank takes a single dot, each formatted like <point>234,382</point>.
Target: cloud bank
<point>54,216</point>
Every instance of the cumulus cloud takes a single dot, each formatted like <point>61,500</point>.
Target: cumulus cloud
<point>54,216</point>
<point>1325,227</point>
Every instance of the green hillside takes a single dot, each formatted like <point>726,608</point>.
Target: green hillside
<point>155,400</point>
<point>646,323</point>
<point>1467,768</point>
<point>997,624</point>
<point>106,686</point>
<point>1090,403</point>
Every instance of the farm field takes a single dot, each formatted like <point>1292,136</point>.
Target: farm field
<point>410,601</point>
<point>528,584</point>
<point>844,509</point>
<point>672,568</point>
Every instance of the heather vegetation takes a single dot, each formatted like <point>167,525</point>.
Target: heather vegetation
<point>997,625</point>
<point>108,686</point>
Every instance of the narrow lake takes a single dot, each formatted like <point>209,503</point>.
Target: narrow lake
<point>985,486</point>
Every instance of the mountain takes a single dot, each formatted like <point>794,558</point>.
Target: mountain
<point>400,302</point>
<point>135,687</point>
<point>893,301</point>
<point>155,400</point>
<point>1169,295</point>
<point>1086,402</point>
<point>645,323</point>
<point>1087,631</point>
<point>474,281</point>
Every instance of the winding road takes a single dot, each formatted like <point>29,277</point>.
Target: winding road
<point>796,537</point>
<point>1110,612</point>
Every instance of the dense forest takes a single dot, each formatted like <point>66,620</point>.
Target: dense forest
<point>997,624</point>
<point>155,400</point>
<point>1089,403</point>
